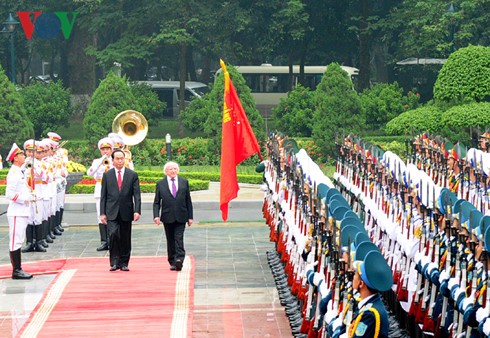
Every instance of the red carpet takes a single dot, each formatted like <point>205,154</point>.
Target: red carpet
<point>86,300</point>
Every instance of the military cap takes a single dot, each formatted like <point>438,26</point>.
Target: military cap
<point>350,214</point>
<point>361,237</point>
<point>457,207</point>
<point>106,142</point>
<point>340,199</point>
<point>446,198</point>
<point>363,248</point>
<point>331,193</point>
<point>485,135</point>
<point>260,168</point>
<point>54,136</point>
<point>30,145</point>
<point>322,190</point>
<point>117,141</point>
<point>475,221</point>
<point>290,145</point>
<point>466,210</point>
<point>346,221</point>
<point>486,239</point>
<point>348,234</point>
<point>458,152</point>
<point>484,225</point>
<point>339,212</point>
<point>374,271</point>
<point>446,148</point>
<point>14,151</point>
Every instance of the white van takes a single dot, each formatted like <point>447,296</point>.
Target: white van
<point>168,91</point>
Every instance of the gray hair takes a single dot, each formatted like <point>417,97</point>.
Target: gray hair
<point>169,163</point>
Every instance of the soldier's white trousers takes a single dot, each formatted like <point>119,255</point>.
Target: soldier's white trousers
<point>17,231</point>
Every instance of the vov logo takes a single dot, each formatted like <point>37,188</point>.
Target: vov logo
<point>47,25</point>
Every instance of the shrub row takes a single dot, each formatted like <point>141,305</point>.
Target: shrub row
<point>194,185</point>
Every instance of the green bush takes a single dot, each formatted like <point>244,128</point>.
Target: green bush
<point>48,105</point>
<point>337,108</point>
<point>385,101</point>
<point>147,101</point>
<point>149,176</point>
<point>15,125</point>
<point>194,185</point>
<point>152,152</point>
<point>467,115</point>
<point>465,76</point>
<point>111,97</point>
<point>427,118</point>
<point>294,114</point>
<point>207,113</point>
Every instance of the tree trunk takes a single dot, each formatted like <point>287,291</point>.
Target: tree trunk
<point>79,74</point>
<point>364,67</point>
<point>183,73</point>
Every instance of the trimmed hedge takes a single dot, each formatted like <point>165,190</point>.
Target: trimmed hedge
<point>150,176</point>
<point>194,185</point>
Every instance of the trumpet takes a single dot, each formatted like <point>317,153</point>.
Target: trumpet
<point>28,163</point>
<point>106,160</point>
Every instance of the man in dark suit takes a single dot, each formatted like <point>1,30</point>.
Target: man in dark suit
<point>120,204</point>
<point>173,207</point>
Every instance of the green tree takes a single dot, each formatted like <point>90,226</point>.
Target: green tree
<point>14,122</point>
<point>337,108</point>
<point>147,101</point>
<point>48,106</point>
<point>383,102</point>
<point>465,76</point>
<point>207,113</point>
<point>294,114</point>
<point>111,97</point>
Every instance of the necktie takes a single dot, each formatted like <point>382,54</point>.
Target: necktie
<point>174,188</point>
<point>119,180</point>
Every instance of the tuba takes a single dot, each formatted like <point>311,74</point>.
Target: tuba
<point>132,127</point>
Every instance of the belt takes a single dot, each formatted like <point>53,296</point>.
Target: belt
<point>98,181</point>
<point>40,182</point>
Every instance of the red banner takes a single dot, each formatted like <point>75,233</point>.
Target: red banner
<point>238,142</point>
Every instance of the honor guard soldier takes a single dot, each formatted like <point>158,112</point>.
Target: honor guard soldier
<point>19,209</point>
<point>61,172</point>
<point>34,175</point>
<point>97,170</point>
<point>52,190</point>
<point>371,276</point>
<point>119,144</point>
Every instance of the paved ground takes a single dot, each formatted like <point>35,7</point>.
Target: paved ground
<point>234,296</point>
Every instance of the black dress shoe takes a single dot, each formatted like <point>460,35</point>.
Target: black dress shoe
<point>178,265</point>
<point>172,268</point>
<point>124,268</point>
<point>113,268</point>
<point>103,247</point>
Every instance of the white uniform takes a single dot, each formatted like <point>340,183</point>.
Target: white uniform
<point>19,210</point>
<point>98,169</point>
<point>35,175</point>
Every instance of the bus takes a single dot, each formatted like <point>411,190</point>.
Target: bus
<point>270,83</point>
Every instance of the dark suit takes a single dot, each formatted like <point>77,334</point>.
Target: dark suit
<point>119,207</point>
<point>174,213</point>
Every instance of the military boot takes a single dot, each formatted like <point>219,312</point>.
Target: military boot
<point>17,272</point>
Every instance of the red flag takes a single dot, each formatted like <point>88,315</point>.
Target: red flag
<point>238,142</point>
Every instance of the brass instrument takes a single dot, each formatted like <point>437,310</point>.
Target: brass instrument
<point>28,163</point>
<point>106,160</point>
<point>132,127</point>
